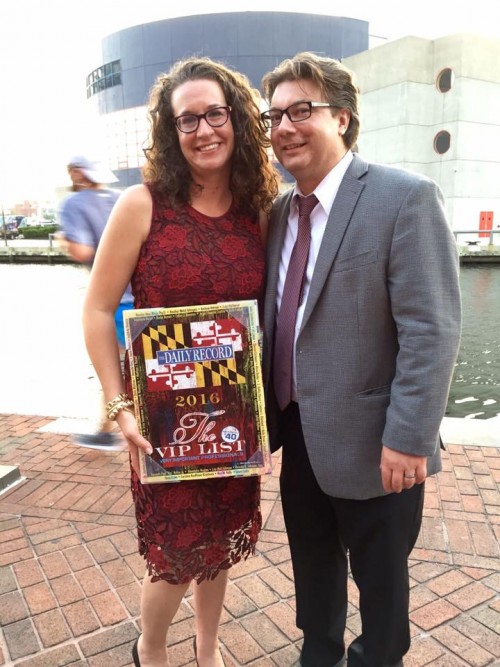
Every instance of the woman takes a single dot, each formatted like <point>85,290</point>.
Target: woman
<point>191,234</point>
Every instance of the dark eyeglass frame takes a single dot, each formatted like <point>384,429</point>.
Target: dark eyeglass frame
<point>312,105</point>
<point>204,116</point>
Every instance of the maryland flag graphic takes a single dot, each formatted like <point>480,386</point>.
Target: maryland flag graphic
<point>176,356</point>
<point>196,381</point>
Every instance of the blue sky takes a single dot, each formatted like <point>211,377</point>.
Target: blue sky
<point>47,49</point>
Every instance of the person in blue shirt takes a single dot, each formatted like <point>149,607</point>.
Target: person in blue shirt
<point>83,216</point>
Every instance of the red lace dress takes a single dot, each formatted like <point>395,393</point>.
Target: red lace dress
<point>194,529</point>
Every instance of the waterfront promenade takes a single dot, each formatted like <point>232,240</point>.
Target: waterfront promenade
<point>70,574</point>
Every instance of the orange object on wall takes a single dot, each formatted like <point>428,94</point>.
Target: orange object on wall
<point>485,223</point>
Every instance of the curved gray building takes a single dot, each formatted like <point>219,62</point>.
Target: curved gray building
<point>251,42</point>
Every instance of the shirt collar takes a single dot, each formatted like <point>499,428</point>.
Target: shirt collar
<point>327,190</point>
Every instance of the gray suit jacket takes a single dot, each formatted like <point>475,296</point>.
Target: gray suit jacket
<point>381,328</point>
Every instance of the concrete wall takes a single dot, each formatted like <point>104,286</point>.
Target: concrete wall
<point>402,110</point>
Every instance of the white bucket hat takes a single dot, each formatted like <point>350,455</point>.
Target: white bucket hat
<point>92,169</point>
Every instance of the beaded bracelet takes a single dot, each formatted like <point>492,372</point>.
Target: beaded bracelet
<point>112,414</point>
<point>117,399</point>
<point>117,404</point>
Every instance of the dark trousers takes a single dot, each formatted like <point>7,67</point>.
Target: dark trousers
<point>377,534</point>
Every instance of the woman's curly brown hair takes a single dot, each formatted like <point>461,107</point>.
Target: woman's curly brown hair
<point>254,181</point>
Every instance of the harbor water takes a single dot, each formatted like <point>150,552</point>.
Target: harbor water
<point>475,390</point>
<point>45,369</point>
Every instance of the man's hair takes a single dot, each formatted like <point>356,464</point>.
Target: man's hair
<point>331,76</point>
<point>253,181</point>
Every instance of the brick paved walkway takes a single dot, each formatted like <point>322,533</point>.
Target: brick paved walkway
<point>70,575</point>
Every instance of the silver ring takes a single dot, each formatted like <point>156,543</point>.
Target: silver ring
<point>408,476</point>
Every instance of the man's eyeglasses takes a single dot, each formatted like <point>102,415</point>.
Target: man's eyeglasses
<point>295,112</point>
<point>189,122</point>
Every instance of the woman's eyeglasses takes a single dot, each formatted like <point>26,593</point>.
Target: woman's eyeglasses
<point>189,122</point>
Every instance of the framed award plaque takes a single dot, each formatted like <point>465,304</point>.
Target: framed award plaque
<point>197,390</point>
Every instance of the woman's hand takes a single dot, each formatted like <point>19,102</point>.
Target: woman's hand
<point>128,425</point>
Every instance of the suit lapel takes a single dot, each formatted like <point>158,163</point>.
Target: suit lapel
<point>338,221</point>
<point>277,231</point>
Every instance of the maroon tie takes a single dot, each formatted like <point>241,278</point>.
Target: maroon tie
<point>290,301</point>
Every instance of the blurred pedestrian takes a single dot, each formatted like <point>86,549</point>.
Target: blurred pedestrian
<point>83,216</point>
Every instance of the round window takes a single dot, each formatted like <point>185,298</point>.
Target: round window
<point>445,80</point>
<point>442,142</point>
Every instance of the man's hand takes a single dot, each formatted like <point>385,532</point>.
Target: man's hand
<point>401,471</point>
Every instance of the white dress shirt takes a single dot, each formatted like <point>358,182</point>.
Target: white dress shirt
<point>326,193</point>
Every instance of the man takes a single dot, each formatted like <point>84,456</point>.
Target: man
<point>358,368</point>
<point>83,216</point>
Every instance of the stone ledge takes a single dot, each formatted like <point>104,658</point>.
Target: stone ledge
<point>8,476</point>
<point>10,255</point>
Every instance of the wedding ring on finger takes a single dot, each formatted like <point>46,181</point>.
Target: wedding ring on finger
<point>409,476</point>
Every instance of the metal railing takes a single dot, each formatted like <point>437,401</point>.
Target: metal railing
<point>491,233</point>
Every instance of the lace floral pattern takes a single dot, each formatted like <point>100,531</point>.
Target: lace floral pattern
<point>194,529</point>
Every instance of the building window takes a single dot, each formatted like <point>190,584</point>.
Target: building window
<point>445,80</point>
<point>442,142</point>
<point>126,133</point>
<point>103,77</point>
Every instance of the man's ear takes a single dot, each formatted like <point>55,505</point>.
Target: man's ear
<point>344,116</point>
